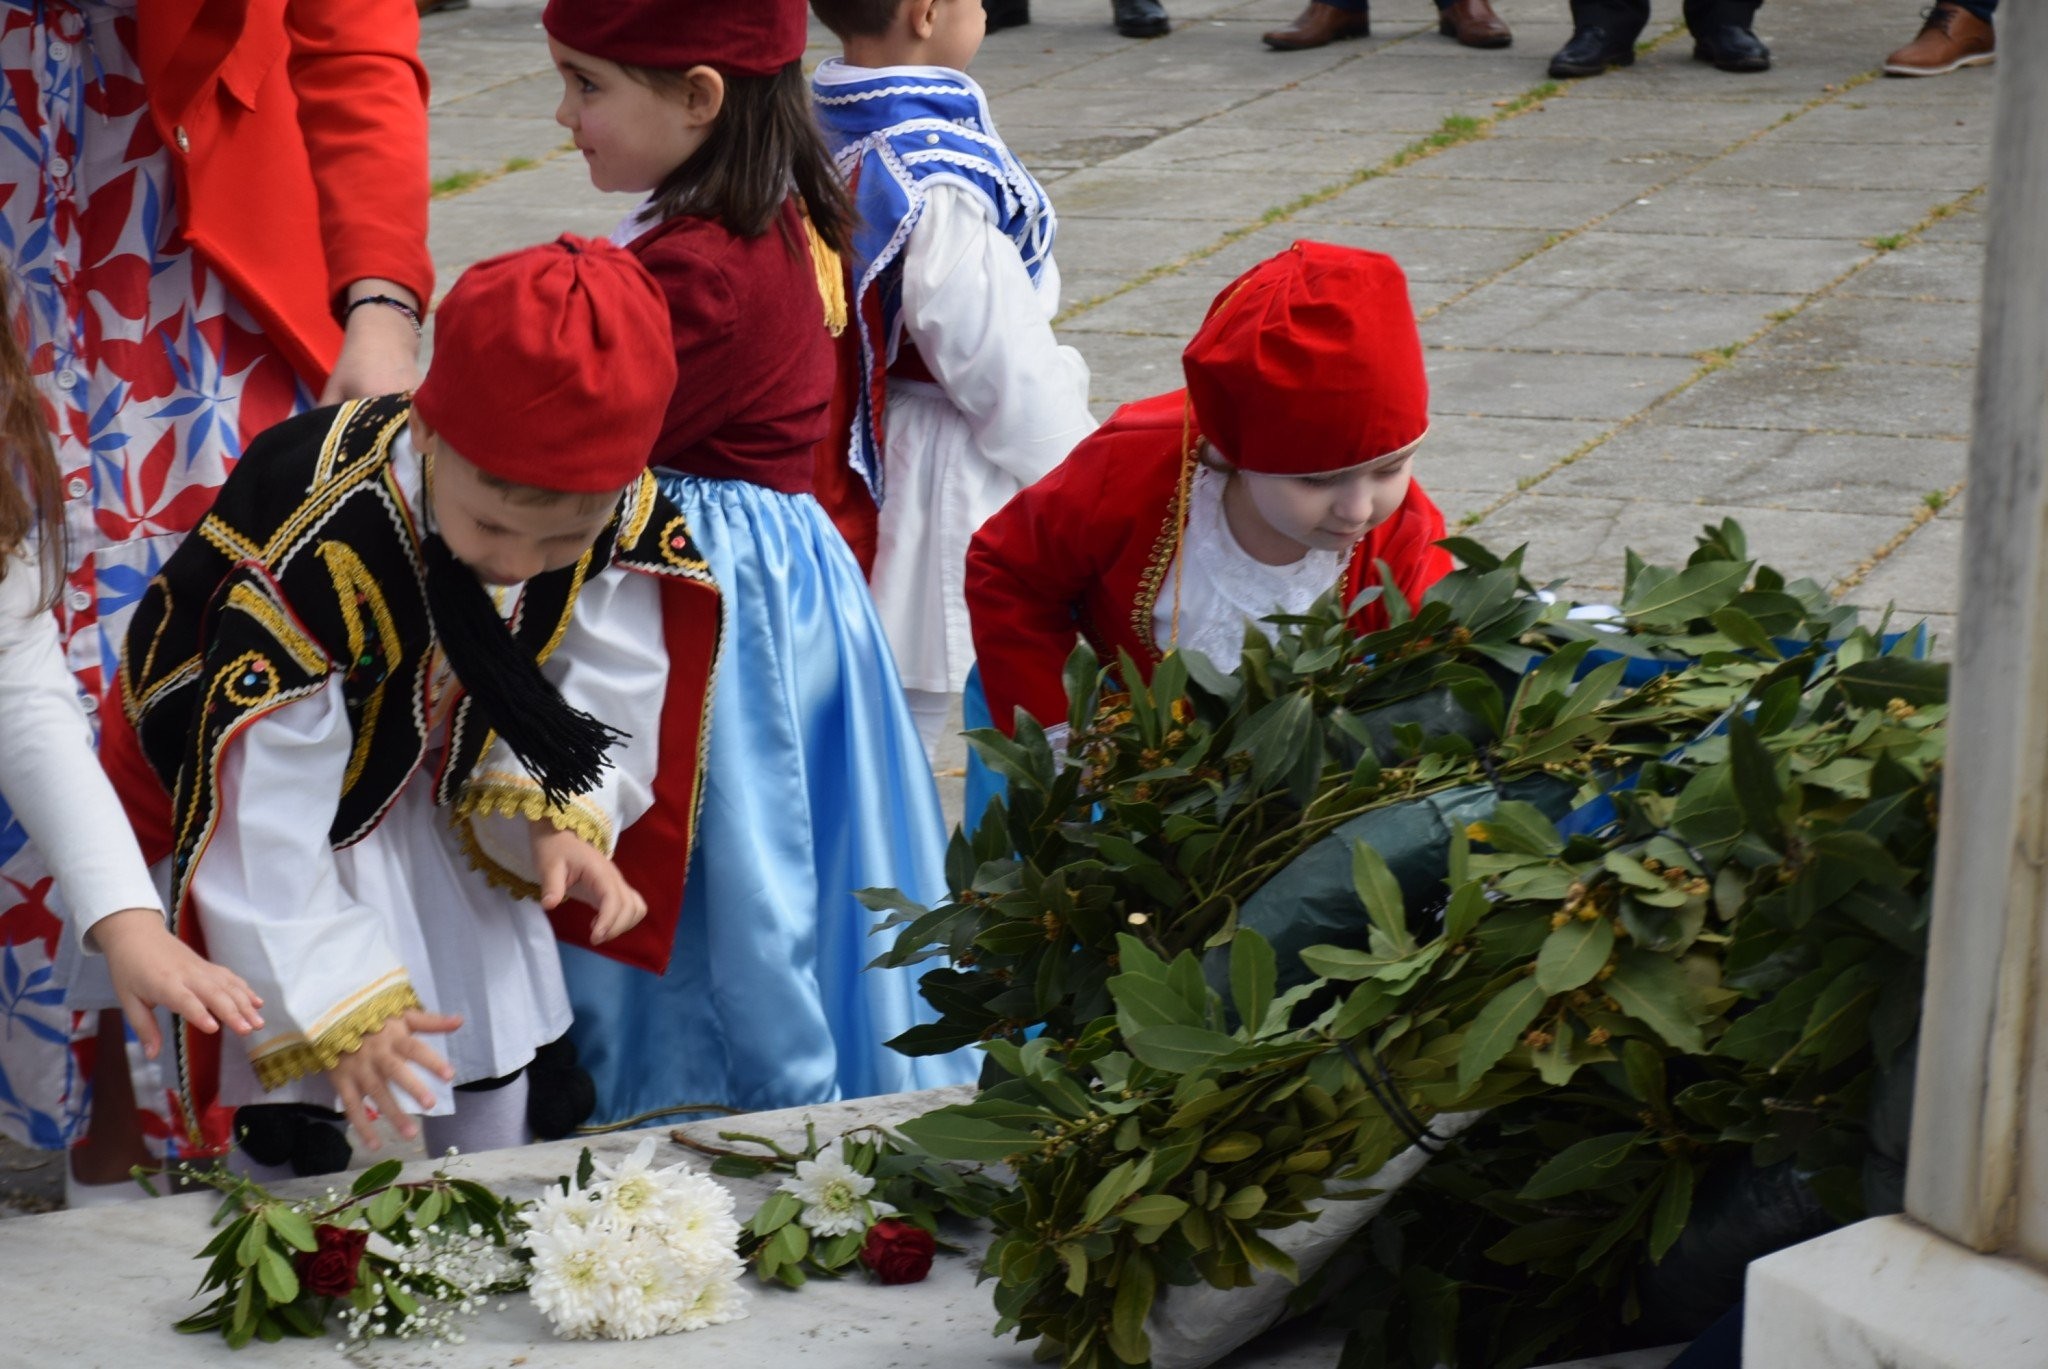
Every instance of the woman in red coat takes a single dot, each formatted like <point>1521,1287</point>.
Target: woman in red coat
<point>1285,469</point>
<point>217,210</point>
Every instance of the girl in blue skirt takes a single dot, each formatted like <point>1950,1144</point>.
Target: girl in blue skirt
<point>816,784</point>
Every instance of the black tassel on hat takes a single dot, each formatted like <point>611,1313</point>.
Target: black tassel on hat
<point>562,747</point>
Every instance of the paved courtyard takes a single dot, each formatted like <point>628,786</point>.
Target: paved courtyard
<point>1657,298</point>
<point>1652,300</point>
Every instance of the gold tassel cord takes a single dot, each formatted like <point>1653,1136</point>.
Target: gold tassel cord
<point>831,273</point>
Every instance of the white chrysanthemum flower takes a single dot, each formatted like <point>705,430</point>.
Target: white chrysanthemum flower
<point>643,1251</point>
<point>721,1301</point>
<point>698,1212</point>
<point>555,1208</point>
<point>835,1195</point>
<point>640,1292</point>
<point>573,1273</point>
<point>632,1188</point>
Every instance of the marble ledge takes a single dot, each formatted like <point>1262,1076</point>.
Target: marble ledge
<point>1890,1292</point>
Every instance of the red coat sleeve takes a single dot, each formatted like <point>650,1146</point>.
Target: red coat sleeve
<point>1407,542</point>
<point>1029,571</point>
<point>362,97</point>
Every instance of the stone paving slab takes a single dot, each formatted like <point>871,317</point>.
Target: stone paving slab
<point>1464,255</point>
<point>1767,212</point>
<point>1582,539</point>
<point>1860,328</point>
<point>1818,473</point>
<point>1777,160</point>
<point>1611,322</point>
<point>1758,392</point>
<point>1548,384</point>
<point>1690,261</point>
<point>1925,271</point>
<point>1442,202</point>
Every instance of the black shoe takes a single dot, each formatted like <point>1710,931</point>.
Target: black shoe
<point>1731,47</point>
<point>1141,18</point>
<point>1007,14</point>
<point>1591,51</point>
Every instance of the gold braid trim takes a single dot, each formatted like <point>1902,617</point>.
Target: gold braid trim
<point>1167,547</point>
<point>831,274</point>
<point>295,1057</point>
<point>501,793</point>
<point>639,509</point>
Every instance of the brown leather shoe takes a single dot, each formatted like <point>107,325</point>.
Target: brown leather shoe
<point>1952,37</point>
<point>1319,25</point>
<point>1473,23</point>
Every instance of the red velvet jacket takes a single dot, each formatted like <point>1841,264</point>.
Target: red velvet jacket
<point>754,361</point>
<point>298,130</point>
<point>1088,549</point>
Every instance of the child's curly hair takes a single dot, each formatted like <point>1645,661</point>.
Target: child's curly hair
<point>31,501</point>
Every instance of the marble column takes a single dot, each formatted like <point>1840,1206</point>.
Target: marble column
<point>1961,1280</point>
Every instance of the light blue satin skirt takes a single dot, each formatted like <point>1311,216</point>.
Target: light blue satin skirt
<point>815,786</point>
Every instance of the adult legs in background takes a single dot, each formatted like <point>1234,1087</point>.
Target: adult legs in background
<point>1724,33</point>
<point>1472,22</point>
<point>1956,33</point>
<point>1140,18</point>
<point>1006,14</point>
<point>1604,35</point>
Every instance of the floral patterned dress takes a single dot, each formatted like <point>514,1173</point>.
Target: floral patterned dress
<point>153,377</point>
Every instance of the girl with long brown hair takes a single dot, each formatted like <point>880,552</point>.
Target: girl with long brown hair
<point>49,776</point>
<point>815,783</point>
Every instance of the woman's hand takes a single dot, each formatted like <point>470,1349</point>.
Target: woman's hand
<point>567,864</point>
<point>380,351</point>
<point>152,969</point>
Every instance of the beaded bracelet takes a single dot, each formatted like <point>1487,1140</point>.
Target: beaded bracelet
<point>412,315</point>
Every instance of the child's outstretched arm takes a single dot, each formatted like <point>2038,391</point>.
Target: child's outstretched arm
<point>567,864</point>
<point>152,969</point>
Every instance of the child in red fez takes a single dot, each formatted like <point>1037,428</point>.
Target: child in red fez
<point>1285,469</point>
<point>402,698</point>
<point>815,783</point>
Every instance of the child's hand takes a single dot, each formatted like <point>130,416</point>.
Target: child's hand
<point>365,1075</point>
<point>567,864</point>
<point>152,969</point>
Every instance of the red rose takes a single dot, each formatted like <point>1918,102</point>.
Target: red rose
<point>898,1252</point>
<point>330,1271</point>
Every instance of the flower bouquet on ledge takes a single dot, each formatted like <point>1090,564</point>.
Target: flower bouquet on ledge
<point>629,1251</point>
<point>863,1199</point>
<point>390,1259</point>
<point>620,1251</point>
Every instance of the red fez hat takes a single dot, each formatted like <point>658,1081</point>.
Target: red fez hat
<point>1310,362</point>
<point>553,367</point>
<point>739,37</point>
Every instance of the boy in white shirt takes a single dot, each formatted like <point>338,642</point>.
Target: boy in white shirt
<point>964,398</point>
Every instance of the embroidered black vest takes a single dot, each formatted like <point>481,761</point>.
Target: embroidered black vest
<point>307,568</point>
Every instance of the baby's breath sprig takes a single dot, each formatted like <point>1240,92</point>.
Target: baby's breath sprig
<point>405,1260</point>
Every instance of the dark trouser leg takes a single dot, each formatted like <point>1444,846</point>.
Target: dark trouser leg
<point>1622,18</point>
<point>1703,15</point>
<point>1983,9</point>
